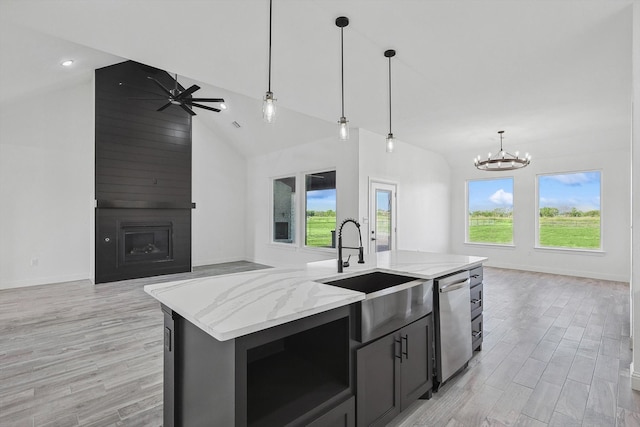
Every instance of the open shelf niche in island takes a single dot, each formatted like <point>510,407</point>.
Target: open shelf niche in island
<point>295,374</point>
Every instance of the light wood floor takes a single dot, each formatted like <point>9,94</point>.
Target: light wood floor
<point>556,352</point>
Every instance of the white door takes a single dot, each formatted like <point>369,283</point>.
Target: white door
<point>382,207</point>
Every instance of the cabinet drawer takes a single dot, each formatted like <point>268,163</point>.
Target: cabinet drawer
<point>475,274</point>
<point>476,333</point>
<point>343,415</point>
<point>476,300</point>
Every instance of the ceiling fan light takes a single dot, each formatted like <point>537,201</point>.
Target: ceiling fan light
<point>223,106</point>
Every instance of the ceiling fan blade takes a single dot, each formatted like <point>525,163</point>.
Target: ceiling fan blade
<point>208,99</point>
<point>168,104</point>
<point>188,92</point>
<point>160,85</point>
<point>206,107</point>
<point>148,99</point>
<point>187,109</point>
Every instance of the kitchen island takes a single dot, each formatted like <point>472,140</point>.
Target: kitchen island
<point>272,347</point>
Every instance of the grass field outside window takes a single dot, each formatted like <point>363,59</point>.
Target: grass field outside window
<point>569,210</point>
<point>490,211</point>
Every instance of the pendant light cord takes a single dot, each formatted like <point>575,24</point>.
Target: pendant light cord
<point>390,96</point>
<point>270,17</point>
<point>342,65</point>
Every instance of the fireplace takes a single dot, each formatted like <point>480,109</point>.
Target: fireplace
<point>133,243</point>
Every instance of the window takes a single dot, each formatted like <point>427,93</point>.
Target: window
<point>320,203</point>
<point>569,210</point>
<point>284,212</point>
<point>490,211</point>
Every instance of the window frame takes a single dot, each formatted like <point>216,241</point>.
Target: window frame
<point>295,240</point>
<point>303,202</point>
<point>468,212</point>
<point>537,245</point>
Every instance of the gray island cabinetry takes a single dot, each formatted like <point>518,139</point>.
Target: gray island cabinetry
<point>293,374</point>
<point>298,347</point>
<point>389,381</point>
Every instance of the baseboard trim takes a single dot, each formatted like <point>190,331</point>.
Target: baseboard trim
<point>37,281</point>
<point>564,272</point>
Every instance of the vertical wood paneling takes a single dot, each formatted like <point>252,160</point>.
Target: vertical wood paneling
<point>133,139</point>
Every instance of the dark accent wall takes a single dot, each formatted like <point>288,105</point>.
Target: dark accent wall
<point>141,154</point>
<point>142,169</point>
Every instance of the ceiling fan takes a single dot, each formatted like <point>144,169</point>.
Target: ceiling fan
<point>182,98</point>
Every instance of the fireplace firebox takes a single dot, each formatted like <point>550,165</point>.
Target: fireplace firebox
<point>145,243</point>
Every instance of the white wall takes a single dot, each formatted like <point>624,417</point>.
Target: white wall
<point>612,264</point>
<point>316,156</point>
<point>219,188</point>
<point>423,182</point>
<point>46,187</point>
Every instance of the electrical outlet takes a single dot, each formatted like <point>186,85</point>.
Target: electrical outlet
<point>34,262</point>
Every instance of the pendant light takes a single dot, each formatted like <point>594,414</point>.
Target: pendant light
<point>502,161</point>
<point>343,123</point>
<point>269,104</point>
<point>390,140</point>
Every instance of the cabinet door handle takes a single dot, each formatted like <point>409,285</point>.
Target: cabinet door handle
<point>476,334</point>
<point>397,343</point>
<point>406,346</point>
<point>475,301</point>
<point>475,276</point>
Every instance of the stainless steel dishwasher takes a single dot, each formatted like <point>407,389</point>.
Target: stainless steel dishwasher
<point>452,325</point>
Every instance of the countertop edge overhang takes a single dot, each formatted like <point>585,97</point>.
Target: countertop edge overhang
<point>233,305</point>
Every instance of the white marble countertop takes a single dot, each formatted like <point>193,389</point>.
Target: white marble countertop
<point>230,306</point>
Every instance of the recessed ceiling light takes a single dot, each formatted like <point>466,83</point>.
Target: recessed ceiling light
<point>223,106</point>
<point>236,124</point>
<point>67,63</point>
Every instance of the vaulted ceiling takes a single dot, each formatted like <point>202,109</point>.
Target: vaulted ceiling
<point>555,75</point>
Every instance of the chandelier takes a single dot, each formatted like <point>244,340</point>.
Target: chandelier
<point>502,161</point>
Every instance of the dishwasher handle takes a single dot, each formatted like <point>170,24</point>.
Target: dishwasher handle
<point>455,285</point>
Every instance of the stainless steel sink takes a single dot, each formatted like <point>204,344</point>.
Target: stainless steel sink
<point>392,301</point>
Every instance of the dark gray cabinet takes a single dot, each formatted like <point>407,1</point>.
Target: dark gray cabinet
<point>476,277</point>
<point>393,371</point>
<point>295,374</point>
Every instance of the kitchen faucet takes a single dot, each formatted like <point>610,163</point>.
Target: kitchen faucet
<point>340,247</point>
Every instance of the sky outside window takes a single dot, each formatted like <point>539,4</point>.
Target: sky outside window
<point>489,194</point>
<point>572,190</point>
